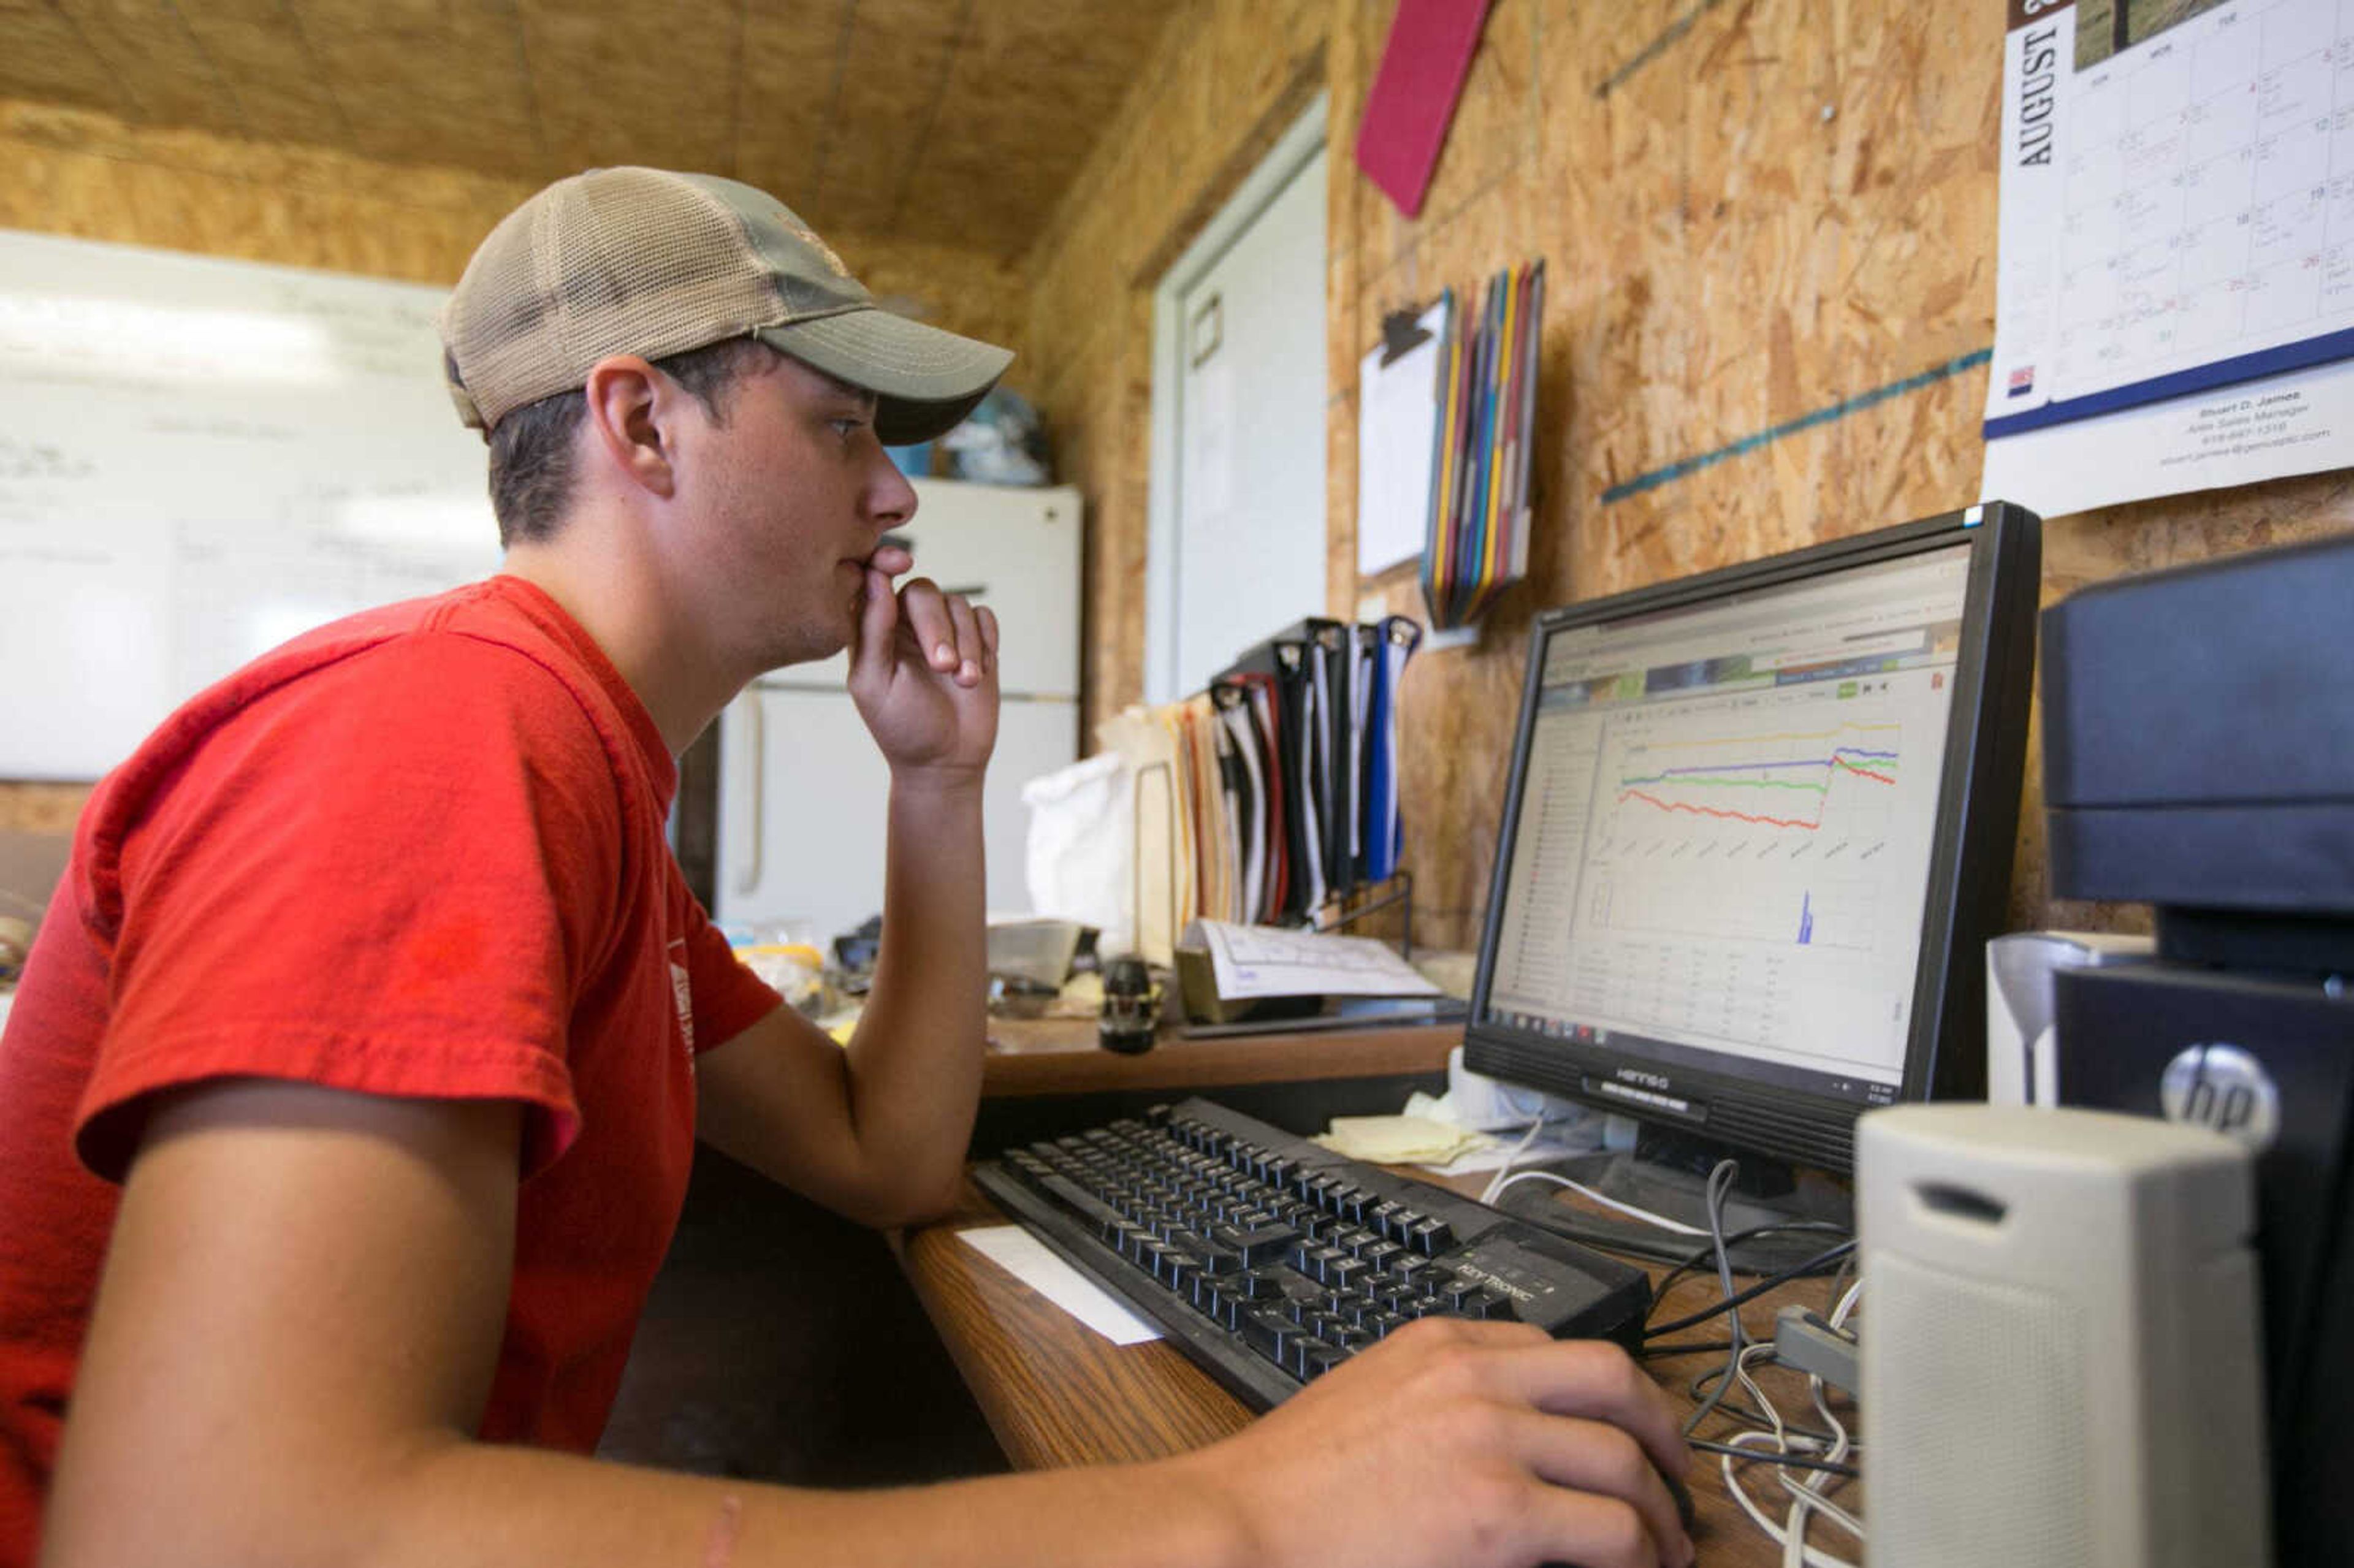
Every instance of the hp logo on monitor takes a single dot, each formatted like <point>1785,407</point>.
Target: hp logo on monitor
<point>2225,1087</point>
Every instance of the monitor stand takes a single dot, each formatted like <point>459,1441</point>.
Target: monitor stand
<point>1666,1173</point>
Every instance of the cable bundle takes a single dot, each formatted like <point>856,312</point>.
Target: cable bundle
<point>1821,1456</point>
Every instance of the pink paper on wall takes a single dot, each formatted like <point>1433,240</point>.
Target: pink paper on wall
<point>1414,92</point>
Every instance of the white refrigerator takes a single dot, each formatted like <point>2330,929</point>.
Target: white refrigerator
<point>803,789</point>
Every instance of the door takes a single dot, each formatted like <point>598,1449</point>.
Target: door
<point>1241,505</point>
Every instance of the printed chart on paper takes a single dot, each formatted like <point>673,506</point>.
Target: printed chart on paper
<point>1252,962</point>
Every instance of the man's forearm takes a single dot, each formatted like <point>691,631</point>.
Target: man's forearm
<point>914,1062</point>
<point>503,1507</point>
<point>459,1504</point>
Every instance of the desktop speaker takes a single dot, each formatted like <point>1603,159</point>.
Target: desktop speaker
<point>2061,1364</point>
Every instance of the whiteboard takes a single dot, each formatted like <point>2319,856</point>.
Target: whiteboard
<point>199,459</point>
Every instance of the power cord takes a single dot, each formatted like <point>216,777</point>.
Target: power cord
<point>1808,1499</point>
<point>1658,1222</point>
<point>1720,1180</point>
<point>1779,1444</point>
<point>1496,1183</point>
<point>1505,1178</point>
<point>1814,1264</point>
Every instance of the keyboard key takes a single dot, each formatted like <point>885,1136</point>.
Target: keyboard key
<point>1300,1352</point>
<point>1258,1285</point>
<point>1269,1332</point>
<point>1259,1244</point>
<point>1431,1237</point>
<point>1452,1293</point>
<point>1098,1216</point>
<point>1420,1273</point>
<point>1321,1359</point>
<point>1216,1259</point>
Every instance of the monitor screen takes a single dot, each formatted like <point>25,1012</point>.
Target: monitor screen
<point>1728,893</point>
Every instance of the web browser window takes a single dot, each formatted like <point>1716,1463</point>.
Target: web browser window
<point>1726,827</point>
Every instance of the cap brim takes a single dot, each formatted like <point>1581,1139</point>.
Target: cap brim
<point>925,380</point>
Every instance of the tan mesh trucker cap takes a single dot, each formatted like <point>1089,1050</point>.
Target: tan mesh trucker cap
<point>650,262</point>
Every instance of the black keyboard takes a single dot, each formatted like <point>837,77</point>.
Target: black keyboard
<point>1269,1260</point>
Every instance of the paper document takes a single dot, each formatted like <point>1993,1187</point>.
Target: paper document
<point>1252,962</point>
<point>1028,1259</point>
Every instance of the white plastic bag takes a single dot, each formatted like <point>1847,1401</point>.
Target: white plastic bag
<point>1080,860</point>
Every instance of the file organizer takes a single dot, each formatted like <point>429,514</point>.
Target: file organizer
<point>1281,789</point>
<point>1477,541</point>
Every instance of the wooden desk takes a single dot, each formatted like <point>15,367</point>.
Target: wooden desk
<point>1060,1056</point>
<point>1056,1393</point>
<point>1042,1079</point>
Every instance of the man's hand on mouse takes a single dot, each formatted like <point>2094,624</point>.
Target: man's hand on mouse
<point>1460,1445</point>
<point>923,671</point>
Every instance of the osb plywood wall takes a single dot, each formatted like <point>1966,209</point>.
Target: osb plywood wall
<point>73,172</point>
<point>1753,212</point>
<point>1227,81</point>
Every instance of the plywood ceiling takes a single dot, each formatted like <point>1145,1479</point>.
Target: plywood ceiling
<point>939,122</point>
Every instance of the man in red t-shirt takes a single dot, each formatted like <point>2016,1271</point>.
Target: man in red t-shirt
<point>347,1107</point>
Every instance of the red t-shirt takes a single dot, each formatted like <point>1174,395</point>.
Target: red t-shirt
<point>417,853</point>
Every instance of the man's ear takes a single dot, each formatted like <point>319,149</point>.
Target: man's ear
<point>632,413</point>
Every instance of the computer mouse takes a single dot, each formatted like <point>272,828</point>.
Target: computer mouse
<point>1684,1511</point>
<point>1684,1498</point>
<point>1683,1494</point>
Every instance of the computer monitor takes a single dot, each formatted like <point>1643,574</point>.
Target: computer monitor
<point>1757,830</point>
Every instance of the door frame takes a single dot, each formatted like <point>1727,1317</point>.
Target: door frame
<point>1275,172</point>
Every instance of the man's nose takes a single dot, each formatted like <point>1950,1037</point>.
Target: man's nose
<point>890,499</point>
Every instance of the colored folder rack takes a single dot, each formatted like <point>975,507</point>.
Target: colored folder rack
<point>1477,541</point>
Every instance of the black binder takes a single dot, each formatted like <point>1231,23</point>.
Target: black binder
<point>1330,754</point>
<point>1284,660</point>
<point>1330,659</point>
